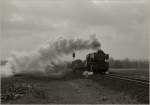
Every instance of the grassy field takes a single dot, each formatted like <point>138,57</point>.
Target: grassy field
<point>70,89</point>
<point>140,73</point>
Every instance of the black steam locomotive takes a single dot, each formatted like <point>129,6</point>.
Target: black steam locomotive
<point>97,62</point>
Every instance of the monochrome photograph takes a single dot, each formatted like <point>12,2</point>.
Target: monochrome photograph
<point>74,51</point>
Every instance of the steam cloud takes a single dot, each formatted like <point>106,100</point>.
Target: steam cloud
<point>48,55</point>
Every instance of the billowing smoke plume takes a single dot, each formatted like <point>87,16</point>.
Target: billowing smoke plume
<point>48,55</point>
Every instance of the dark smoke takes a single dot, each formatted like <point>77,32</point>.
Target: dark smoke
<point>47,55</point>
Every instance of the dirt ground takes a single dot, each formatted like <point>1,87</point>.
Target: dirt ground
<point>69,91</point>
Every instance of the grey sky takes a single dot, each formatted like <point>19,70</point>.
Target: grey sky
<point>120,25</point>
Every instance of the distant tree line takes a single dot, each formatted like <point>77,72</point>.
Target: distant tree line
<point>127,63</point>
<point>114,63</point>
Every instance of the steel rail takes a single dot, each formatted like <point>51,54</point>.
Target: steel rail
<point>145,82</point>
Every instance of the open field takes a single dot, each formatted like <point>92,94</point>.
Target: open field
<point>71,89</point>
<point>132,72</point>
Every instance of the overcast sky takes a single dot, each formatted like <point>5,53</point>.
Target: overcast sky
<point>120,25</point>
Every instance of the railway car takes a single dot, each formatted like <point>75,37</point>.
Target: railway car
<point>97,62</point>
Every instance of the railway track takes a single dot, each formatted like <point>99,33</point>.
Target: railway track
<point>129,85</point>
<point>145,83</point>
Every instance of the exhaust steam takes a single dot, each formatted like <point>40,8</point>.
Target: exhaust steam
<point>47,58</point>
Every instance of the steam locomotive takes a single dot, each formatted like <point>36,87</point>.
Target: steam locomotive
<point>97,62</point>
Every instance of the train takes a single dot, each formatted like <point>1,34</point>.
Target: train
<point>97,62</point>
